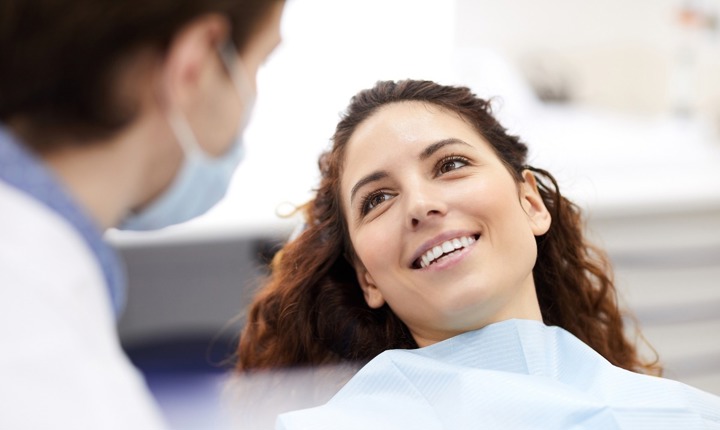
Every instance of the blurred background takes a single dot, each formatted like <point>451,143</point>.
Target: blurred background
<point>619,99</point>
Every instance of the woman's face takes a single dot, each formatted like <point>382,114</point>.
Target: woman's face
<point>442,232</point>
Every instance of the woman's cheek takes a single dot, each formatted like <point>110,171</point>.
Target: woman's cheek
<point>375,246</point>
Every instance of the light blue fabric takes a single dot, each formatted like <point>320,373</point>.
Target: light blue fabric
<point>515,374</point>
<point>203,179</point>
<point>21,169</point>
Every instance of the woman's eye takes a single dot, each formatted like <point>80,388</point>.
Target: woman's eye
<point>453,163</point>
<point>374,200</point>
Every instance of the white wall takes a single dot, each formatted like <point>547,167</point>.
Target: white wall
<point>620,54</point>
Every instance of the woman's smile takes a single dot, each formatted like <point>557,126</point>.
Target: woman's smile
<point>444,252</point>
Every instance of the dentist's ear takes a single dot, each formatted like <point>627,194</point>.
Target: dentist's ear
<point>190,57</point>
<point>373,296</point>
<point>534,206</point>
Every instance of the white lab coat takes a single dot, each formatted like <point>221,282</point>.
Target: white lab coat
<point>61,365</point>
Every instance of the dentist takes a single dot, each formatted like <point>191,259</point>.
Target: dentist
<point>121,114</point>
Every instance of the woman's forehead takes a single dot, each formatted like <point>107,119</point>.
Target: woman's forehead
<point>400,132</point>
<point>408,123</point>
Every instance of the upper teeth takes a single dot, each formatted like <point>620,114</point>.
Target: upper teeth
<point>444,248</point>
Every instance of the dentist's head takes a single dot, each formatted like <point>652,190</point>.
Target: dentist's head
<point>138,106</point>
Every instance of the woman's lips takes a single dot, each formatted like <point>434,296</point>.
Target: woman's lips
<point>443,250</point>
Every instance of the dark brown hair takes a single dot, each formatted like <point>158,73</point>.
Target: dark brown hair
<point>312,311</point>
<point>60,57</point>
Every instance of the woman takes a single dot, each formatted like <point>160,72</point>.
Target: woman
<point>112,114</point>
<point>433,252</point>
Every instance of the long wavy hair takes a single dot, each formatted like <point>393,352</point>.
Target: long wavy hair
<point>311,310</point>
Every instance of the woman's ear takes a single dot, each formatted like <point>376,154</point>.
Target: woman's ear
<point>373,295</point>
<point>534,206</point>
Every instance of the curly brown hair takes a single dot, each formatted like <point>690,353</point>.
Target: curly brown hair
<point>311,310</point>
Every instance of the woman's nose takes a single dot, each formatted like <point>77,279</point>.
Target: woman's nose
<point>424,207</point>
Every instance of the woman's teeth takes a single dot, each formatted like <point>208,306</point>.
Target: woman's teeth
<point>444,248</point>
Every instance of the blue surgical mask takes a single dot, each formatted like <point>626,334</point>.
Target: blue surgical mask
<point>202,180</point>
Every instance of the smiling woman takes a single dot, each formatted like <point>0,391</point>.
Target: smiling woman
<point>441,185</point>
<point>430,236</point>
<point>413,165</point>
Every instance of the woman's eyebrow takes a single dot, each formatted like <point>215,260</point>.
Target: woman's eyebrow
<point>427,152</point>
<point>375,176</point>
<point>434,147</point>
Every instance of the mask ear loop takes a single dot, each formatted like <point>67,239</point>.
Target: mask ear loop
<point>184,133</point>
<point>179,123</point>
<point>238,74</point>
